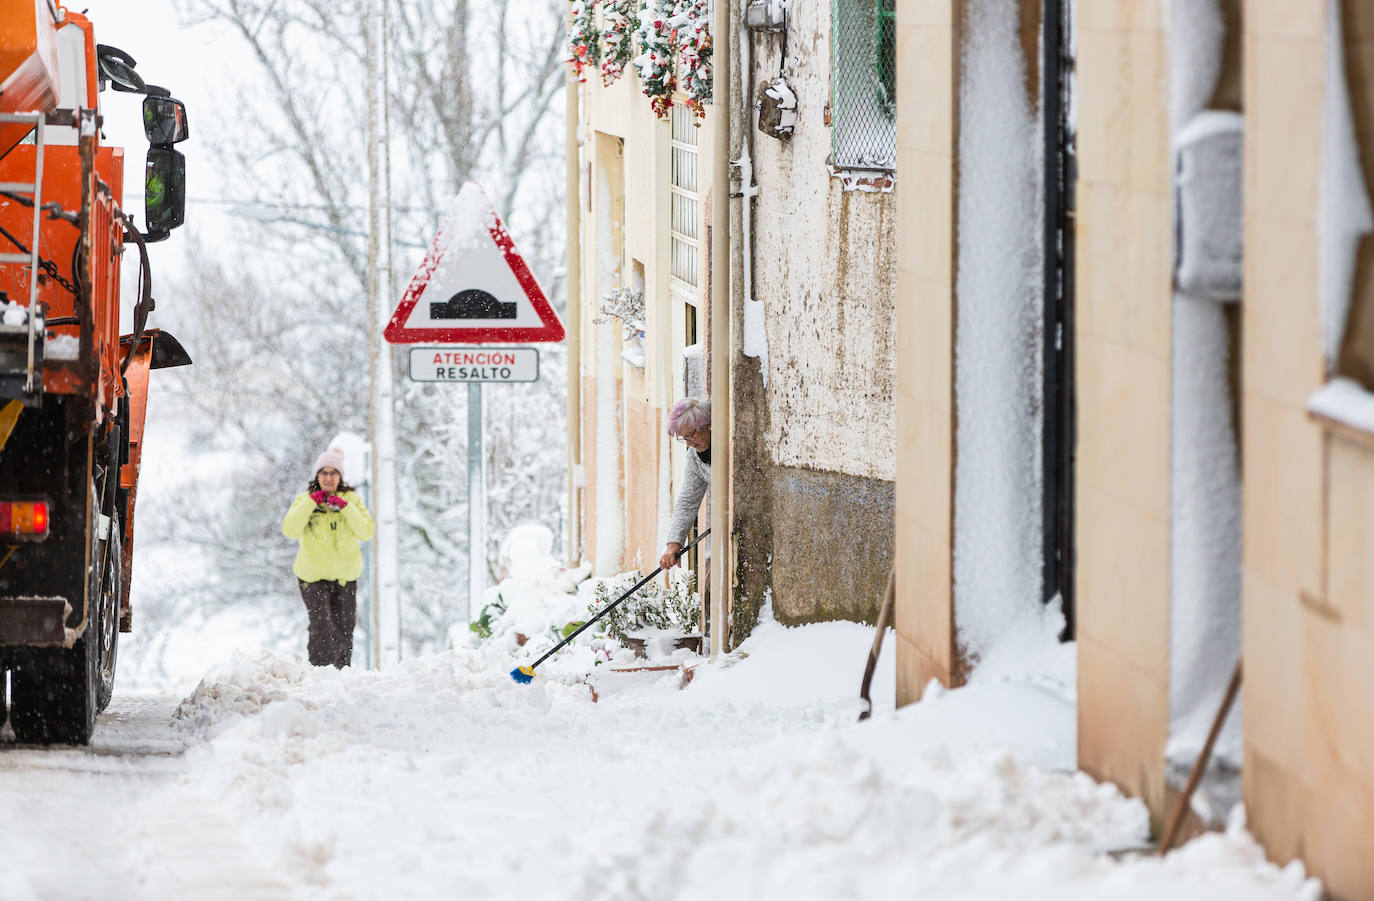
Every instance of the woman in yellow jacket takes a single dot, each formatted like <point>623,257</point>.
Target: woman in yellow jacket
<point>331,523</point>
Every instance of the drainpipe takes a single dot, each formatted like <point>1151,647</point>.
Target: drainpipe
<point>573,288</point>
<point>721,565</point>
<point>748,190</point>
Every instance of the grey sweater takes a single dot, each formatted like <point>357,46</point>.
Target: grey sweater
<point>696,479</point>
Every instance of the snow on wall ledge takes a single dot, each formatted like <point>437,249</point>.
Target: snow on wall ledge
<point>1204,475</point>
<point>997,495</point>
<point>1345,401</point>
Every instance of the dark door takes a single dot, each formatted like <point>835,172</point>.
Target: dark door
<point>1059,426</point>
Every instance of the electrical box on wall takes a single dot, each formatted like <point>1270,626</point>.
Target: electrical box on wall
<point>1208,185</point>
<point>765,15</point>
<point>777,109</point>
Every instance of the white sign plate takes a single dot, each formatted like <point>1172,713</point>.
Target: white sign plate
<point>474,364</point>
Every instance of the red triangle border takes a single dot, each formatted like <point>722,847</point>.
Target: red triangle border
<point>550,332</point>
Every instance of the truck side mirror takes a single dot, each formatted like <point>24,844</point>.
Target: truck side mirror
<point>117,67</point>
<point>164,197</point>
<point>164,120</point>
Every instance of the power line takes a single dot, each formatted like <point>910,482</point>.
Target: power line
<point>250,202</point>
<point>279,212</point>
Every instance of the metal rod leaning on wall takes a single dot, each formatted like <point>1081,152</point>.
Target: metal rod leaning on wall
<point>884,620</point>
<point>721,566</point>
<point>1181,806</point>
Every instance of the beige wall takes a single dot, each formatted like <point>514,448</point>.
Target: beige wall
<point>622,137</point>
<point>926,37</point>
<point>1308,485</point>
<point>642,440</point>
<point>1123,301</point>
<point>1309,490</point>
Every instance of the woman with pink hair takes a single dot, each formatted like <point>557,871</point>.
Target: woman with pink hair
<point>689,421</point>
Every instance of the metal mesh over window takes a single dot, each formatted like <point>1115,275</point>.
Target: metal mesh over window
<point>863,84</point>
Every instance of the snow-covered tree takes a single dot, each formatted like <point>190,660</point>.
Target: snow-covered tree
<point>472,89</point>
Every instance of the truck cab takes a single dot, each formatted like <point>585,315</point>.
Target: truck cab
<point>73,390</point>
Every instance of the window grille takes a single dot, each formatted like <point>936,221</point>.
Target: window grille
<point>684,220</point>
<point>863,84</point>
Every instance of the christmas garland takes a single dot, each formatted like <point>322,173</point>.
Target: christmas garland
<point>583,44</point>
<point>617,39</point>
<point>692,37</point>
<point>655,61</point>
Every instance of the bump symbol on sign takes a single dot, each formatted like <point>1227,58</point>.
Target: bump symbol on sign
<point>472,304</point>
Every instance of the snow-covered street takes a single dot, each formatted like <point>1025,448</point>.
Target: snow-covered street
<point>441,777</point>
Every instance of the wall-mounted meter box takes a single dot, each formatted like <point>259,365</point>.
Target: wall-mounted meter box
<point>765,15</point>
<point>1209,177</point>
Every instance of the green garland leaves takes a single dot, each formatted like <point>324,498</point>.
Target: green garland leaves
<point>692,37</point>
<point>617,38</point>
<point>584,47</point>
<point>655,60</point>
<point>673,38</point>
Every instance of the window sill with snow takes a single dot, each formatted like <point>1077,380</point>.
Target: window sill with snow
<point>1344,407</point>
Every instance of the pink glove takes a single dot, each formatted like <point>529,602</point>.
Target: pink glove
<point>319,497</point>
<point>336,503</point>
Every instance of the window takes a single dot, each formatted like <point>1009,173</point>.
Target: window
<point>863,84</point>
<point>684,214</point>
<point>684,237</point>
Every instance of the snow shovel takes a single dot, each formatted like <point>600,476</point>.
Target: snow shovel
<point>525,674</point>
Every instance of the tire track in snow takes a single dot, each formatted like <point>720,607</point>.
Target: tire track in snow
<point>120,818</point>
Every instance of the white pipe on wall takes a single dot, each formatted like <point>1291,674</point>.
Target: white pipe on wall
<point>721,566</point>
<point>573,287</point>
<point>746,163</point>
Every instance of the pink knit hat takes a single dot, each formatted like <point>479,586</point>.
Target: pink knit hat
<point>330,459</point>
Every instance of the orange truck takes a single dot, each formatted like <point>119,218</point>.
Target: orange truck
<point>73,390</point>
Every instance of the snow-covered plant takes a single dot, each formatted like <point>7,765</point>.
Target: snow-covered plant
<point>655,60</point>
<point>625,304</point>
<point>584,46</point>
<point>675,608</point>
<point>617,38</point>
<point>692,38</point>
<point>490,614</point>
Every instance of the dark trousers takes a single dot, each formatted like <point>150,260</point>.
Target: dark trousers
<point>332,608</point>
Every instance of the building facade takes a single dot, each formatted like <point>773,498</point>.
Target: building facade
<point>1063,310</point>
<point>812,287</point>
<point>1208,325</point>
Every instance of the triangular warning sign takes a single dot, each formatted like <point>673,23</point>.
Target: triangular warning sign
<point>473,286</point>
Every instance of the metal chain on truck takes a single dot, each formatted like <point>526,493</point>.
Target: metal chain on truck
<point>48,267</point>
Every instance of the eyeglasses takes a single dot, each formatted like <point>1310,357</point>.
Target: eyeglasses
<point>331,473</point>
<point>683,437</point>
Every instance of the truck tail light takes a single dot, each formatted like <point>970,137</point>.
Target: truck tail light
<point>24,519</point>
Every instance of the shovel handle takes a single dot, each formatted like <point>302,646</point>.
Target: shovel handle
<point>612,605</point>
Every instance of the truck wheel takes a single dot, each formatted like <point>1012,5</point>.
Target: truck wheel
<point>108,604</point>
<point>54,691</point>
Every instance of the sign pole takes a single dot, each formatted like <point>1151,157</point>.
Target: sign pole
<point>477,503</point>
<point>384,612</point>
<point>473,287</point>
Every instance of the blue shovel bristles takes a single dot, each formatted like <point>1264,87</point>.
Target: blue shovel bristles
<point>523,674</point>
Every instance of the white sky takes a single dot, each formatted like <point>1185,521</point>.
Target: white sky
<point>183,61</point>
